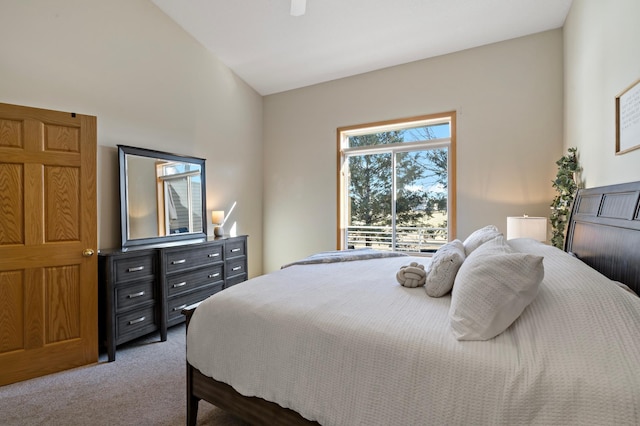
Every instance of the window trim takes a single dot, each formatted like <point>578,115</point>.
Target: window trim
<point>388,125</point>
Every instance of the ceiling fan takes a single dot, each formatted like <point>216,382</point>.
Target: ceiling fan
<point>298,7</point>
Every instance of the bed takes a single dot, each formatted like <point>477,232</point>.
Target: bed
<point>353,346</point>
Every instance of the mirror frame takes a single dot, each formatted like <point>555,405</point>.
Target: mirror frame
<point>123,151</point>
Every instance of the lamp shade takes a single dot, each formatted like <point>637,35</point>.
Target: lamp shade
<point>527,227</point>
<point>298,7</point>
<point>217,217</point>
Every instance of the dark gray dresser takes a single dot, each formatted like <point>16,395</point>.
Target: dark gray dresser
<point>142,291</point>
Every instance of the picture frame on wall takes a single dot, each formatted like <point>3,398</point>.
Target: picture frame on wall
<point>628,119</point>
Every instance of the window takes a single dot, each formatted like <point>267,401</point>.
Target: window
<point>396,184</point>
<point>179,197</point>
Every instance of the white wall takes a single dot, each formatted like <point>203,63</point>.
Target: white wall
<point>150,85</point>
<point>602,58</point>
<point>509,101</point>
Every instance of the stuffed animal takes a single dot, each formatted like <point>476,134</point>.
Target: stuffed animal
<point>412,275</point>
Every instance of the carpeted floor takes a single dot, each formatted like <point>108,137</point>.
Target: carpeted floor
<point>144,386</point>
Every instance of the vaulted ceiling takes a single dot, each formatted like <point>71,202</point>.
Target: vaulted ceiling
<point>274,51</point>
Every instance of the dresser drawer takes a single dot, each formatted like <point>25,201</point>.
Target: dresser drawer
<point>134,294</point>
<point>135,323</point>
<point>184,259</point>
<point>186,281</point>
<point>236,279</point>
<point>235,248</point>
<point>134,267</point>
<point>236,267</point>
<point>177,304</point>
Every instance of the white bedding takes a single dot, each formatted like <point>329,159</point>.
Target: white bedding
<point>345,344</point>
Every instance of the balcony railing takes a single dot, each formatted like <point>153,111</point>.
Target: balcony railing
<point>407,239</point>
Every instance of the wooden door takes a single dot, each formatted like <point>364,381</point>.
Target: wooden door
<point>48,233</point>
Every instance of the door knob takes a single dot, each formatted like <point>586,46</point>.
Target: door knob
<point>87,252</point>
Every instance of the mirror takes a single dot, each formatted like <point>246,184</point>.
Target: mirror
<point>162,197</point>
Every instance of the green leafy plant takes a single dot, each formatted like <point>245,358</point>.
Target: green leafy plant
<point>566,187</point>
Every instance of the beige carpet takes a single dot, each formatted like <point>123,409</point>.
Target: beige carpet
<point>144,386</point>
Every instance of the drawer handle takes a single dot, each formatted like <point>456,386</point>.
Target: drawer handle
<point>237,268</point>
<point>135,321</point>
<point>135,269</point>
<point>180,284</point>
<point>177,262</point>
<point>217,274</point>
<point>178,308</point>
<point>134,295</point>
<point>235,250</point>
<point>214,255</point>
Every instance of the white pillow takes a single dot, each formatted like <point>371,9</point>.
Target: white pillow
<point>443,268</point>
<point>479,237</point>
<point>492,288</point>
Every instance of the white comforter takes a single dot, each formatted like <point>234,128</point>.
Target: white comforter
<point>344,344</point>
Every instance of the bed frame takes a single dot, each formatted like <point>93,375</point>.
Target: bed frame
<point>600,233</point>
<point>253,410</point>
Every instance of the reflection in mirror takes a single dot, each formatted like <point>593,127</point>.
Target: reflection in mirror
<point>162,196</point>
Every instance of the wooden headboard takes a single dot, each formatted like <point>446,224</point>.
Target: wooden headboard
<point>604,231</point>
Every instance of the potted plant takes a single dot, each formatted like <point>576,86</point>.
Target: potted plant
<point>566,187</point>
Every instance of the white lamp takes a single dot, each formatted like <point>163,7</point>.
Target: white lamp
<point>217,218</point>
<point>298,7</point>
<point>527,227</point>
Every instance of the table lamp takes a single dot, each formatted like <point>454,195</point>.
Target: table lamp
<point>217,218</point>
<point>527,227</point>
